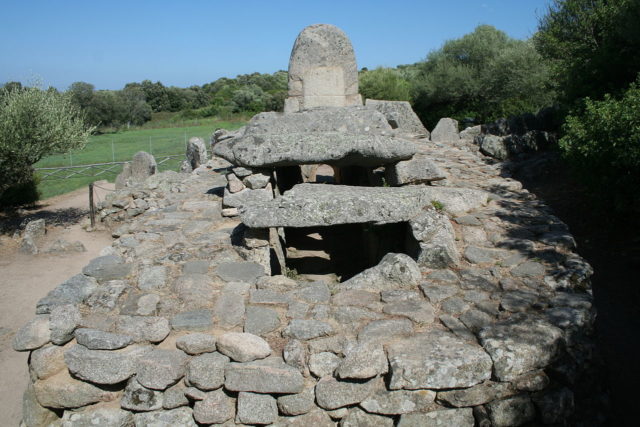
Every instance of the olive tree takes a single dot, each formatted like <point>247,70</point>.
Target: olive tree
<point>33,124</point>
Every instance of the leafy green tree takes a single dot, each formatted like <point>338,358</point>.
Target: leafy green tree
<point>485,74</point>
<point>602,143</point>
<point>593,45</point>
<point>384,83</point>
<point>33,124</point>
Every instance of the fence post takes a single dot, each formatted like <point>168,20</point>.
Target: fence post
<point>150,148</point>
<point>70,158</point>
<point>92,212</point>
<point>113,151</point>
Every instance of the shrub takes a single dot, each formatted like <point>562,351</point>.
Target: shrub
<point>602,143</point>
<point>384,83</point>
<point>35,123</point>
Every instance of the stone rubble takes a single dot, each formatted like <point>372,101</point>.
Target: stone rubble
<point>180,321</point>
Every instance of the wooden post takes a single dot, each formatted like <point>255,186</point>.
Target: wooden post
<point>92,211</point>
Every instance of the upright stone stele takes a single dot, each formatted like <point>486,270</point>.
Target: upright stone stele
<point>322,70</point>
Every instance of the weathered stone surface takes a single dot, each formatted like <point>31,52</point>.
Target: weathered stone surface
<point>141,167</point>
<point>333,394</point>
<point>194,290</point>
<point>476,319</point>
<point>174,396</point>
<point>439,292</point>
<point>196,343</point>
<point>307,329</point>
<point>34,415</point>
<point>316,418</point>
<point>385,330</point>
<point>182,417</point>
<point>62,322</point>
<point>243,347</point>
<point>107,267</point>
<point>34,334</point>
<point>196,320</point>
<point>417,170</point>
<point>256,408</point>
<point>105,297</point>
<point>393,271</point>
<point>206,371</point>
<point>295,354</point>
<point>445,130</point>
<point>355,297</point>
<point>364,361</point>
<point>313,293</point>
<point>73,291</point>
<point>323,364</point>
<point>436,360</point>
<point>229,309</point>
<point>462,417</point>
<point>307,205</point>
<point>92,416</point>
<point>270,375</point>
<point>138,398</point>
<point>161,368</point>
<point>436,239</point>
<point>419,311</point>
<point>357,417</point>
<point>257,180</point>
<point>104,367</point>
<point>246,197</point>
<point>398,401</point>
<point>513,411</point>
<point>243,271</point>
<point>477,395</point>
<point>196,152</point>
<point>494,146</point>
<point>261,320</point>
<point>457,327</point>
<point>62,391</point>
<point>152,277</point>
<point>143,328</point>
<point>297,404</point>
<point>334,148</point>
<point>470,133</point>
<point>215,408</point>
<point>528,269</point>
<point>322,70</point>
<point>520,344</point>
<point>47,361</point>
<point>400,116</point>
<point>267,296</point>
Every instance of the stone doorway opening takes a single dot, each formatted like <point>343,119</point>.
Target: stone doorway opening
<point>344,250</point>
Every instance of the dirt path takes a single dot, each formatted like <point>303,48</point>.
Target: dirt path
<point>24,279</point>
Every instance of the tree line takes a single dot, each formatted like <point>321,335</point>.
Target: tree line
<point>583,60</point>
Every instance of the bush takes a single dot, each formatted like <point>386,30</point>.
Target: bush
<point>26,193</point>
<point>602,143</point>
<point>385,84</point>
<point>485,74</point>
<point>35,123</point>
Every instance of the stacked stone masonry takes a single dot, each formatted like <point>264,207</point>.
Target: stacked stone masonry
<point>172,325</point>
<point>180,321</point>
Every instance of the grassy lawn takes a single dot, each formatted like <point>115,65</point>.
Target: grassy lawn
<point>121,146</point>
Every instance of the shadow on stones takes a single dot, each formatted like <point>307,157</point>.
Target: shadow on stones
<point>344,250</point>
<point>13,220</point>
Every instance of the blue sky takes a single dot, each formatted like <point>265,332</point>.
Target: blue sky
<point>181,43</point>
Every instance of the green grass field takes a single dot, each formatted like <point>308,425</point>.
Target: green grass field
<point>121,146</point>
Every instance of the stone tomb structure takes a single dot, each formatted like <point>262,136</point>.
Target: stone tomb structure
<point>322,70</point>
<point>474,308</point>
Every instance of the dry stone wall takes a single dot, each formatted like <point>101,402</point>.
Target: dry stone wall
<point>171,325</point>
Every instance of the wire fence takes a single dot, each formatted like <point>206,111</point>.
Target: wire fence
<point>105,156</point>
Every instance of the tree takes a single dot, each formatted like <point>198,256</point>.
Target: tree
<point>384,83</point>
<point>33,124</point>
<point>485,74</point>
<point>593,46</point>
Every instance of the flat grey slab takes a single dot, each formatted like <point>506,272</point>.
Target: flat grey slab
<point>307,205</point>
<point>335,148</point>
